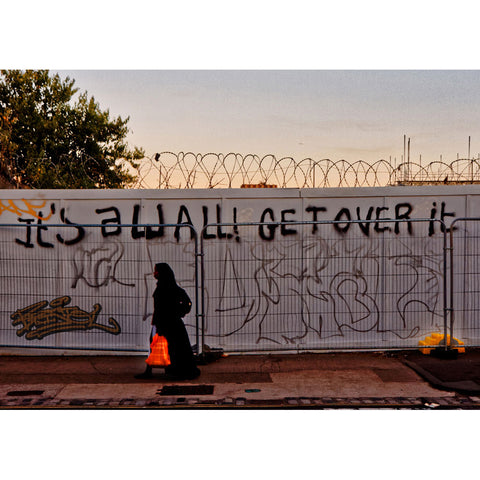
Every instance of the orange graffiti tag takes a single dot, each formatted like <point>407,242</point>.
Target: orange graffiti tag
<point>29,209</point>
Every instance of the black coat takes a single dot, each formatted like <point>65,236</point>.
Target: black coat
<point>168,303</point>
<point>168,300</point>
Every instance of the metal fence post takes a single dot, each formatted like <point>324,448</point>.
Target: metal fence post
<point>198,311</point>
<point>202,290</point>
<point>452,266</point>
<point>445,288</point>
<point>199,301</point>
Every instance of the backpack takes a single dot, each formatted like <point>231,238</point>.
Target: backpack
<point>183,304</point>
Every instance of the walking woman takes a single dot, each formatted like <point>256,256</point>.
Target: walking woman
<point>170,304</point>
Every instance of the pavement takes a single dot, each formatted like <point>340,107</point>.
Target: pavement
<point>373,380</point>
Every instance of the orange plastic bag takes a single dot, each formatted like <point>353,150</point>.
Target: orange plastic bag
<point>159,352</point>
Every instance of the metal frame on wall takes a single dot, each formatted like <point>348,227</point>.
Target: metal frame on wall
<point>464,279</point>
<point>327,290</point>
<point>336,285</point>
<point>91,288</point>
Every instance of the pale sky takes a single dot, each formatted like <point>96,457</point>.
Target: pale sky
<point>336,114</point>
<point>339,80</point>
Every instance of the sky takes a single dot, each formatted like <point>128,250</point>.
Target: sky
<point>336,114</point>
<point>306,79</point>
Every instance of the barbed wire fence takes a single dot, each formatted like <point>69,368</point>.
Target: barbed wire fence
<point>187,170</point>
<point>215,170</point>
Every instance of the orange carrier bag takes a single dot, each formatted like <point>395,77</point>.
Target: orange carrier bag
<point>159,352</point>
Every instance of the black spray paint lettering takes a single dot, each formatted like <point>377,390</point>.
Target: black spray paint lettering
<point>147,232</point>
<point>116,220</point>
<point>402,212</point>
<point>235,226</point>
<point>28,243</point>
<point>403,216</point>
<point>159,232</point>
<point>136,233</point>
<point>181,213</point>
<point>315,210</point>
<point>271,228</point>
<point>40,241</point>
<point>112,225</point>
<point>43,228</point>
<point>345,215</point>
<point>344,212</point>
<point>343,220</point>
<point>443,214</point>
<point>80,230</point>
<point>377,217</point>
<point>284,230</point>
<point>365,227</point>
<point>220,233</point>
<point>206,235</point>
<point>150,232</point>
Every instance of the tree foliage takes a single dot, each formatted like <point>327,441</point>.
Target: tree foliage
<point>52,137</point>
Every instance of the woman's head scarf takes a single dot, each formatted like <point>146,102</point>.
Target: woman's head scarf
<point>166,277</point>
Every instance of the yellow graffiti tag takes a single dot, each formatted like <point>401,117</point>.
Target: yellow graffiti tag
<point>44,318</point>
<point>29,209</point>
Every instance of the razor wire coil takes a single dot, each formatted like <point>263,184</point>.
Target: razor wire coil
<point>188,170</point>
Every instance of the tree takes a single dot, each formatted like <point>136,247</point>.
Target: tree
<point>52,138</point>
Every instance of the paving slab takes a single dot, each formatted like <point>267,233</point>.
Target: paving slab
<point>333,380</point>
<point>107,391</point>
<point>348,384</point>
<point>50,390</point>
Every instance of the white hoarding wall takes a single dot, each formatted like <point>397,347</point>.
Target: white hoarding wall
<point>361,285</point>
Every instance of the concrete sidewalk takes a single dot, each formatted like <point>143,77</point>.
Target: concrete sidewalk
<point>333,380</point>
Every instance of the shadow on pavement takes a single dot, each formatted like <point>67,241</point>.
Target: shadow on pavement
<point>460,373</point>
